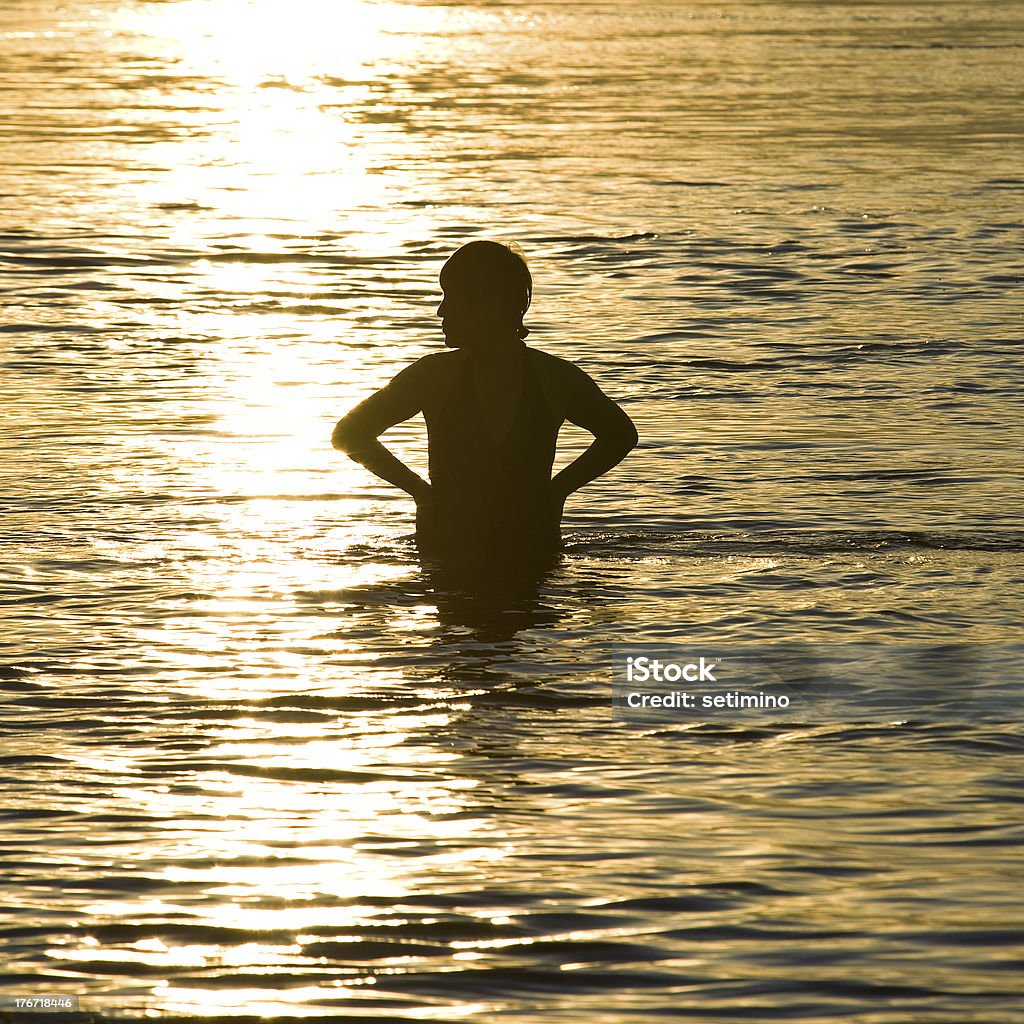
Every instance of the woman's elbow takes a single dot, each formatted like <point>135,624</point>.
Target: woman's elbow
<point>625,438</point>
<point>622,440</point>
<point>339,436</point>
<point>348,438</point>
<point>630,437</point>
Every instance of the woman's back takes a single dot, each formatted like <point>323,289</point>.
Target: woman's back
<point>490,459</point>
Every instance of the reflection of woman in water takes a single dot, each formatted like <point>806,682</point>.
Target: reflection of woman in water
<point>493,409</point>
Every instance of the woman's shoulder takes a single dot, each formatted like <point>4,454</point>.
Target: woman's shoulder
<point>436,366</point>
<point>436,373</point>
<point>557,377</point>
<point>556,372</point>
<point>434,361</point>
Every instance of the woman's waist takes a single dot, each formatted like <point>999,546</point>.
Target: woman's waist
<point>510,489</point>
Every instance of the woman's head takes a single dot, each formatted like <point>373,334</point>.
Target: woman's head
<point>487,290</point>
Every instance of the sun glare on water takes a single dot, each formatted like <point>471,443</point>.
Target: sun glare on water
<point>246,42</point>
<point>277,137</point>
<point>281,161</point>
<point>274,162</point>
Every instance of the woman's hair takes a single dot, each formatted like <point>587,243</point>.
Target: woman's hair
<point>499,270</point>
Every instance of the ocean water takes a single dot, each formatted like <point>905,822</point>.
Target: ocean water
<point>257,762</point>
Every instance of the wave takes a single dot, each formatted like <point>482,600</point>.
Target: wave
<point>702,543</point>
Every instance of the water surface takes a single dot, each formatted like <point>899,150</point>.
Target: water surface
<point>254,761</point>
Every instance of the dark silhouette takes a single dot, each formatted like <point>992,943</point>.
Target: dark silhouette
<point>493,409</point>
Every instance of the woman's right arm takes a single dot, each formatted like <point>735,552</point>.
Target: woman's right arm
<point>586,405</point>
<point>356,434</point>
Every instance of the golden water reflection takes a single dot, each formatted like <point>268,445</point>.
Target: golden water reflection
<point>281,136</point>
<point>245,42</point>
<point>263,192</point>
<point>284,837</point>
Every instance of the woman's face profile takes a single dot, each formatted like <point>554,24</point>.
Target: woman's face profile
<point>466,314</point>
<point>486,289</point>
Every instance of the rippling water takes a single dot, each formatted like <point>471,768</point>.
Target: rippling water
<point>254,761</point>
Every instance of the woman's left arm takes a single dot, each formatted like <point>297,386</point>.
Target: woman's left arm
<point>586,405</point>
<point>356,434</point>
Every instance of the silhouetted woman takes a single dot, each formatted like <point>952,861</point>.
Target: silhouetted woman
<point>493,408</point>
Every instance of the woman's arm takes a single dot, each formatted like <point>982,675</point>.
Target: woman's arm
<point>586,405</point>
<point>401,399</point>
